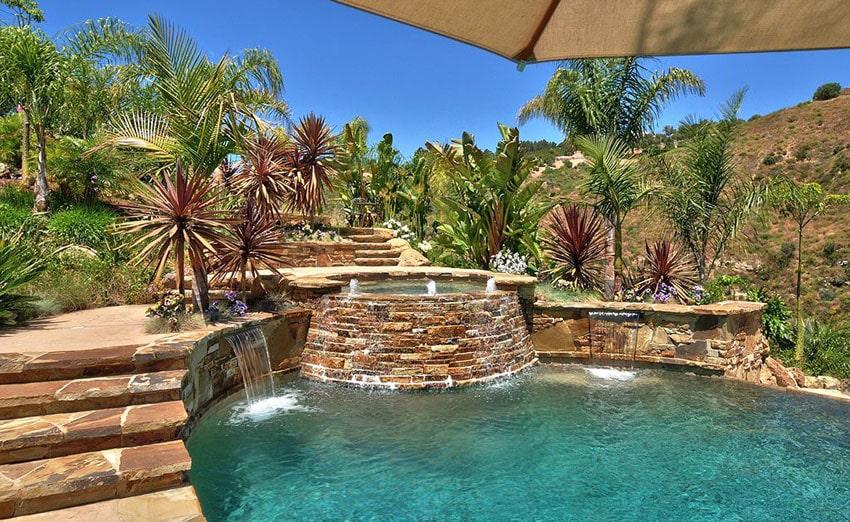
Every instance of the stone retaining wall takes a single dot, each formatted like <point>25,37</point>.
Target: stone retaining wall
<point>212,370</point>
<point>399,341</point>
<point>722,338</point>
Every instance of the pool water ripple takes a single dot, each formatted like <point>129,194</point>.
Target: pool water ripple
<point>552,444</point>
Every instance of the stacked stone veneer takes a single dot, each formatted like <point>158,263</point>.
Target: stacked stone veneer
<point>212,369</point>
<point>721,338</point>
<point>402,341</point>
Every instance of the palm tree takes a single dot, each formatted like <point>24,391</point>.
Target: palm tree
<point>263,177</point>
<point>618,97</point>
<point>203,107</point>
<point>617,184</point>
<point>803,203</point>
<point>310,155</point>
<point>574,243</point>
<point>703,197</point>
<point>32,72</point>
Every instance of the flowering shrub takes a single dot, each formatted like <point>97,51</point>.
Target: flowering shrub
<point>509,262</point>
<point>564,285</point>
<point>665,293</point>
<point>228,309</point>
<point>308,232</point>
<point>170,307</point>
<point>699,295</point>
<point>401,230</point>
<point>424,246</point>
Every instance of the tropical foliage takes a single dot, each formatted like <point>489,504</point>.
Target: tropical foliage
<point>17,268</point>
<point>490,203</point>
<point>666,265</point>
<point>618,97</point>
<point>702,197</point>
<point>574,245</point>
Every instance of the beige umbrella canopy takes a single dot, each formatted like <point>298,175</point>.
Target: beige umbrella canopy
<point>543,30</point>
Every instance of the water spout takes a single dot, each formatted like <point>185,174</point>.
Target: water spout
<point>354,287</point>
<point>252,356</point>
<point>431,288</point>
<point>491,285</point>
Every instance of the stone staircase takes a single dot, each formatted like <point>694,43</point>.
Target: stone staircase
<point>374,247</point>
<point>94,435</point>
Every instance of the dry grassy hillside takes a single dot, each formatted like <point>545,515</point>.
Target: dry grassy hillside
<point>809,142</point>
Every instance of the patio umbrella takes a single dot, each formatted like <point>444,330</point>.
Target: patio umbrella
<point>543,30</point>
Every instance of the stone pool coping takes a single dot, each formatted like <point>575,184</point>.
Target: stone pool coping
<point>333,278</point>
<point>721,308</point>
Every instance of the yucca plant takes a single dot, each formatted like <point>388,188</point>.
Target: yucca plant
<point>263,180</point>
<point>180,214</point>
<point>310,157</point>
<point>254,243</point>
<point>574,243</point>
<point>17,268</point>
<point>667,266</point>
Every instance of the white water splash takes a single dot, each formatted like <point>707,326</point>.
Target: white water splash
<point>354,287</point>
<point>267,408</point>
<point>491,285</point>
<point>431,288</point>
<point>611,374</point>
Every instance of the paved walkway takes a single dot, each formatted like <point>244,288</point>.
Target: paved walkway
<point>84,330</point>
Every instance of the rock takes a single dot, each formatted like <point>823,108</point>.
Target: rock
<point>829,383</point>
<point>766,376</point>
<point>412,257</point>
<point>798,375</point>
<point>812,382</point>
<point>783,378</point>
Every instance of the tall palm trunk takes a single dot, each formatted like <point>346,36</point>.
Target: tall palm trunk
<point>618,257</point>
<point>41,188</point>
<point>26,131</point>
<point>798,348</point>
<point>180,266</point>
<point>200,290</point>
<point>610,272</point>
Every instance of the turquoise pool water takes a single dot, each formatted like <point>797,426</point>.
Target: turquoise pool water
<point>550,444</point>
<point>418,286</point>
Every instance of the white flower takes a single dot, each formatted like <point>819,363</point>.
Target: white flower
<point>509,262</point>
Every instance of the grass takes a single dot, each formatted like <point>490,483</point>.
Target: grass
<point>185,323</point>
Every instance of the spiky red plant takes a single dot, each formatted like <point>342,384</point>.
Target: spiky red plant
<point>666,263</point>
<point>180,214</point>
<point>310,155</point>
<point>574,243</point>
<point>254,243</point>
<point>264,177</point>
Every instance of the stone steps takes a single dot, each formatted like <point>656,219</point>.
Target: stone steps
<point>170,505</point>
<point>72,480</point>
<point>59,434</point>
<point>386,254</point>
<point>376,261</point>
<point>49,397</point>
<point>76,364</point>
<point>369,238</point>
<point>360,247</point>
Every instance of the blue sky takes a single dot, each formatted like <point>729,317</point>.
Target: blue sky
<point>341,63</point>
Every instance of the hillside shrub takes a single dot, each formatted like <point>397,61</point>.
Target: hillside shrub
<point>18,267</point>
<point>770,159</point>
<point>827,349</point>
<point>81,225</point>
<point>827,91</point>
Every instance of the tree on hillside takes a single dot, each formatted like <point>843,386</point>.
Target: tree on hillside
<point>702,197</point>
<point>25,12</point>
<point>32,73</point>
<point>618,97</point>
<point>803,203</point>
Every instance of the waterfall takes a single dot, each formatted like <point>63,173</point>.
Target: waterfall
<point>431,288</point>
<point>252,355</point>
<point>354,287</point>
<point>613,333</point>
<point>491,285</point>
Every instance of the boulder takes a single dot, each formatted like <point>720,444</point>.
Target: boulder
<point>783,378</point>
<point>798,375</point>
<point>812,382</point>
<point>829,383</point>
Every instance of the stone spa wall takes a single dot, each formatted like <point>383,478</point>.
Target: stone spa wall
<point>722,338</point>
<point>404,341</point>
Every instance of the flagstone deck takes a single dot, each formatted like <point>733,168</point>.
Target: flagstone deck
<point>91,420</point>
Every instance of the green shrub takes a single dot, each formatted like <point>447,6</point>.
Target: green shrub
<point>17,197</point>
<point>827,91</point>
<point>754,117</point>
<point>81,225</point>
<point>776,319</point>
<point>827,349</point>
<point>803,152</point>
<point>829,251</point>
<point>770,159</point>
<point>18,267</point>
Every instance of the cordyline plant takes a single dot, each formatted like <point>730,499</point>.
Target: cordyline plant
<point>309,157</point>
<point>667,264</point>
<point>180,214</point>
<point>254,243</point>
<point>574,242</point>
<point>263,180</point>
